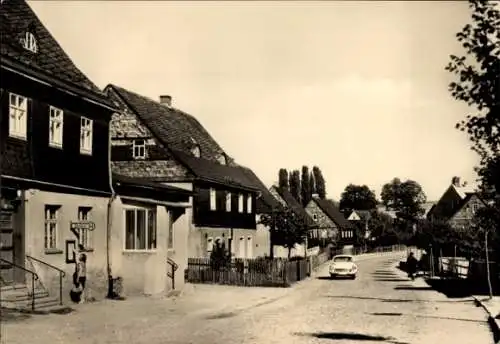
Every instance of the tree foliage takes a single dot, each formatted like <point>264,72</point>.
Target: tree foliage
<point>283,179</point>
<point>286,228</point>
<point>477,83</point>
<point>406,198</point>
<point>357,197</point>
<point>306,191</point>
<point>320,182</point>
<point>312,184</point>
<point>295,187</point>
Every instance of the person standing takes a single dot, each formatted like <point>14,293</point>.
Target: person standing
<point>82,275</point>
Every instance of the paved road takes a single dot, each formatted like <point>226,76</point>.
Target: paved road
<point>380,306</point>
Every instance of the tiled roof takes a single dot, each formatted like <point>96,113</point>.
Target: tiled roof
<point>177,129</point>
<point>215,172</point>
<point>16,17</point>
<point>120,179</point>
<point>329,208</point>
<point>295,206</point>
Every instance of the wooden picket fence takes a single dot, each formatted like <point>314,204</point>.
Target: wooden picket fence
<point>261,272</point>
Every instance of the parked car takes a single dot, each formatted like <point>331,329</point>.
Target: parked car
<point>343,266</point>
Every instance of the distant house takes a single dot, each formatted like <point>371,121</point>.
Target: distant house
<point>286,199</point>
<point>331,222</point>
<point>457,205</point>
<point>156,142</point>
<point>361,219</point>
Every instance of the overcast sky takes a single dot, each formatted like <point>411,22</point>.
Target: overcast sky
<point>357,88</point>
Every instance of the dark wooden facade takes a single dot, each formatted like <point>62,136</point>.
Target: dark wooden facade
<point>32,158</point>
<point>204,216</point>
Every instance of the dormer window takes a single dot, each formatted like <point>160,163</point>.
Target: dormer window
<point>196,151</point>
<point>29,42</point>
<point>139,149</point>
<point>222,159</point>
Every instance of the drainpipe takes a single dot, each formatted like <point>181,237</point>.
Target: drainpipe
<point>109,223</point>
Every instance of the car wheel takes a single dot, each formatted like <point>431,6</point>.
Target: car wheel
<point>353,277</point>
<point>332,276</point>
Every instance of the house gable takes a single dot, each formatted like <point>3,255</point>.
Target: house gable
<point>466,212</point>
<point>447,204</point>
<point>353,216</point>
<point>158,164</point>
<point>319,216</point>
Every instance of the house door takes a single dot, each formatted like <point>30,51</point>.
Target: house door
<point>241,248</point>
<point>6,246</point>
<point>249,247</point>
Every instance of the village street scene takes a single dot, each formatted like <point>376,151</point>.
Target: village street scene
<point>249,172</point>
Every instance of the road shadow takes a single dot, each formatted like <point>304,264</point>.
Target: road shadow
<point>222,315</point>
<point>381,299</point>
<point>451,288</point>
<point>399,287</point>
<point>12,315</point>
<point>390,279</point>
<point>324,278</point>
<point>350,336</point>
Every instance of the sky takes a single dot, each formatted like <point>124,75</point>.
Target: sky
<point>357,88</point>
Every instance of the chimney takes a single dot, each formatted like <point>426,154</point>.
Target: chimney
<point>166,100</point>
<point>315,195</point>
<point>455,181</point>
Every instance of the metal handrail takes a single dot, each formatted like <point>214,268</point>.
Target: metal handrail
<point>171,274</point>
<point>34,276</point>
<point>62,274</point>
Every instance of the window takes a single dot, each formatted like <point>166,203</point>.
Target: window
<point>249,204</point>
<point>474,207</point>
<point>170,241</point>
<point>196,151</point>
<point>222,159</point>
<point>85,236</point>
<point>240,203</point>
<point>55,127</point>
<point>140,229</point>
<point>228,201</point>
<point>315,217</point>
<point>85,136</point>
<point>139,149</point>
<point>18,115</point>
<point>29,42</point>
<point>213,199</point>
<point>51,215</point>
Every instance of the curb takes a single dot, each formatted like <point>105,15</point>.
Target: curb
<point>491,320</point>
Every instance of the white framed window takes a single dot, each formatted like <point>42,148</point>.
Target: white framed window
<point>249,204</point>
<point>85,236</point>
<point>210,244</point>
<point>228,201</point>
<point>18,116</point>
<point>51,227</point>
<point>139,149</point>
<point>240,203</point>
<point>170,241</point>
<point>213,199</point>
<point>86,135</point>
<point>315,217</point>
<point>56,117</point>
<point>29,42</point>
<point>140,229</point>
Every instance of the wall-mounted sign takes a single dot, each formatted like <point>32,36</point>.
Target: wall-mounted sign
<point>86,225</point>
<point>70,251</point>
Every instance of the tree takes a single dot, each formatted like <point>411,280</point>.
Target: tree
<point>283,179</point>
<point>478,84</point>
<point>295,185</point>
<point>319,182</point>
<point>312,184</point>
<point>406,198</point>
<point>305,186</point>
<point>357,197</point>
<point>220,258</point>
<point>286,228</point>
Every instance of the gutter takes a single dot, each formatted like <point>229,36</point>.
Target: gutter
<point>109,224</point>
